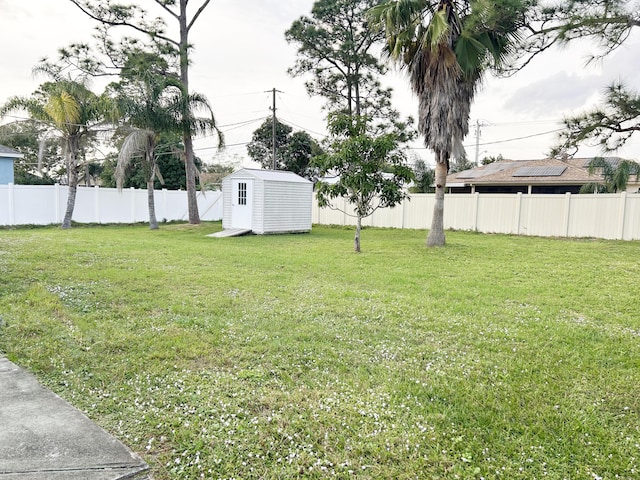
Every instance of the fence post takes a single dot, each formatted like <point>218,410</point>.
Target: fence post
<point>132,194</point>
<point>567,213</point>
<point>518,213</point>
<point>404,213</point>
<point>623,208</point>
<point>164,204</point>
<point>12,211</point>
<point>56,202</point>
<point>476,205</point>
<point>96,203</point>
<point>529,214</point>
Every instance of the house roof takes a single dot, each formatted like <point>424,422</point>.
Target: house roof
<point>272,175</point>
<point>9,152</point>
<point>549,171</point>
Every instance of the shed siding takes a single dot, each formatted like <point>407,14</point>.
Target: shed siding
<point>258,206</point>
<point>226,202</point>
<point>287,207</point>
<point>6,170</point>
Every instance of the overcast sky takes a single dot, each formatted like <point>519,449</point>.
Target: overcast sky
<point>240,55</point>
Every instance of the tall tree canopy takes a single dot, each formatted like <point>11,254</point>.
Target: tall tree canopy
<point>445,46</point>
<point>339,51</point>
<point>42,163</point>
<point>608,23</point>
<point>132,16</point>
<point>294,150</point>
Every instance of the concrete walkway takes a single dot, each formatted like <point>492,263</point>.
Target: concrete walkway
<point>43,437</point>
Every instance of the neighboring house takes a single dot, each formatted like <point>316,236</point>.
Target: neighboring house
<point>7,156</point>
<point>529,176</point>
<point>267,201</point>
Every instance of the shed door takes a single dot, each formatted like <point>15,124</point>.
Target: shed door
<point>242,203</point>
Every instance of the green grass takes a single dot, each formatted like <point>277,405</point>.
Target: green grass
<point>290,356</point>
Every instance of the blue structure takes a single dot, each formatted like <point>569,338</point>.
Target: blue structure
<point>7,156</point>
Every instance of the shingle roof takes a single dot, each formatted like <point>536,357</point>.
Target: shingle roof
<point>528,172</point>
<point>9,152</point>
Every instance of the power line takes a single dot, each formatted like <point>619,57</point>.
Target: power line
<point>323,135</point>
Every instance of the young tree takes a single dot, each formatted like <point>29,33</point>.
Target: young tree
<point>446,46</point>
<point>359,162</point>
<point>75,112</point>
<point>131,16</point>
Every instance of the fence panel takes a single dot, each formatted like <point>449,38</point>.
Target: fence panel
<point>612,216</point>
<point>46,204</point>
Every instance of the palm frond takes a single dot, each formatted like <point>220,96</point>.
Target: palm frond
<point>136,144</point>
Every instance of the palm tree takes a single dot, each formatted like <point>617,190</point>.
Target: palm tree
<point>72,109</point>
<point>152,105</point>
<point>141,99</point>
<point>616,174</point>
<point>446,46</point>
<point>141,143</point>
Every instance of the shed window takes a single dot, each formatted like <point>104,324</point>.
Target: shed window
<point>242,193</point>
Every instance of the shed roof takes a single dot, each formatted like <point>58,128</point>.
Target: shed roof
<point>9,152</point>
<point>273,175</point>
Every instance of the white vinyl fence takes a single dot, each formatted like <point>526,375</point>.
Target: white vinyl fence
<point>609,216</point>
<point>46,204</point>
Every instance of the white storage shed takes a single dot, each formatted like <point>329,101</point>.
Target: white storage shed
<point>266,202</point>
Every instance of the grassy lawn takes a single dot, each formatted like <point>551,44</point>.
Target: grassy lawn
<point>290,356</point>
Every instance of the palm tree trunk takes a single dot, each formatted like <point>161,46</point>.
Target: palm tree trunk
<point>436,236</point>
<point>153,223</point>
<point>72,175</point>
<point>356,240</point>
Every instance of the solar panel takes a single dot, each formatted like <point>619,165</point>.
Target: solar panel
<point>471,174</point>
<point>486,170</point>
<point>549,171</point>
<point>612,161</point>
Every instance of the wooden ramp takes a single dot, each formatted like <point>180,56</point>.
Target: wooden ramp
<point>231,232</point>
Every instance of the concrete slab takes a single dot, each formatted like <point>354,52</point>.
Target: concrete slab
<point>43,437</point>
<point>230,232</point>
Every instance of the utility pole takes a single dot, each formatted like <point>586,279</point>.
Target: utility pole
<point>478,133</point>
<point>273,127</point>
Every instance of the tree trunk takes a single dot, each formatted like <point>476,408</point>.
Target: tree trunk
<point>356,240</point>
<point>436,234</point>
<point>153,223</point>
<point>190,166</point>
<point>72,175</point>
